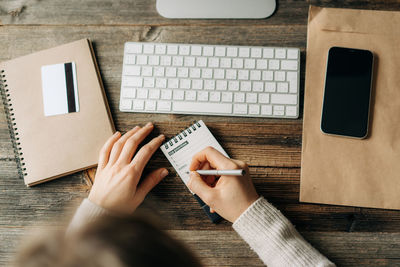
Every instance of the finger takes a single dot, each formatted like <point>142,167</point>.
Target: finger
<point>106,149</point>
<point>209,179</point>
<point>214,157</point>
<point>199,187</point>
<point>151,180</point>
<point>144,154</point>
<point>117,147</point>
<point>212,210</point>
<point>133,142</point>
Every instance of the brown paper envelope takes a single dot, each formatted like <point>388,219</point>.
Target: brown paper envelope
<point>346,171</point>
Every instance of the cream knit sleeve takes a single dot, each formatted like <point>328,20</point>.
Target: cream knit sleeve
<point>275,239</point>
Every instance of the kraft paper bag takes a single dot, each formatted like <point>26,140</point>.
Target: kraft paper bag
<point>346,171</point>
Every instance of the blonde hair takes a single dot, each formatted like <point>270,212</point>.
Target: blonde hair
<point>109,241</point>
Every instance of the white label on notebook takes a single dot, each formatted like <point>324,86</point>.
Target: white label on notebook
<point>60,91</point>
<point>181,148</point>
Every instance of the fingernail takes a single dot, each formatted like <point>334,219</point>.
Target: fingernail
<point>164,173</point>
<point>117,133</point>
<point>149,124</point>
<point>161,136</point>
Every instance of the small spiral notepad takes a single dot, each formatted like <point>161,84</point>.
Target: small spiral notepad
<point>180,149</point>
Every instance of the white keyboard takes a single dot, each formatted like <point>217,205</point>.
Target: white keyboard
<point>211,80</point>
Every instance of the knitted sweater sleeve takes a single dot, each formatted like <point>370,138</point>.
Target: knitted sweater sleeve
<point>275,239</point>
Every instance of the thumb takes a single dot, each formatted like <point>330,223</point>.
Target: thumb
<point>151,180</point>
<point>197,185</point>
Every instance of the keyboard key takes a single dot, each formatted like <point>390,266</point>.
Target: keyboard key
<point>148,49</point>
<point>149,82</point>
<point>240,108</point>
<point>161,49</point>
<point>268,75</point>
<point>170,72</point>
<point>284,99</point>
<point>233,86</point>
<point>239,97</point>
<point>215,96</point>
<point>133,81</point>
<point>292,54</point>
<point>213,62</point>
<point>279,110</point>
<point>164,105</point>
<point>183,72</point>
<point>147,71</point>
<point>262,64</point>
<point>209,84</point>
<point>133,48</point>
<point>222,85</point>
<point>274,64</point>
<point>197,107</point>
<point>161,83</point>
<point>254,109</point>
<point>283,87</point>
<point>166,94</point>
<point>138,104</point>
<point>196,50</point>
<point>206,73</point>
<point>165,60</point>
<point>225,62</point>
<point>255,75</point>
<point>141,60</point>
<point>250,63</point>
<point>251,98</point>
<point>197,84</point>
<point>159,71</point>
<point>289,64</point>
<point>126,104</point>
<point>154,60</point>
<point>293,81</point>
<point>189,61</point>
<point>195,73</point>
<point>263,98</point>
<point>154,94</point>
<point>172,49</point>
<point>266,110</point>
<point>244,52</point>
<point>280,76</point>
<point>184,83</point>
<point>150,105</point>
<point>190,95</point>
<point>258,86</point>
<point>256,52</point>
<point>219,74</point>
<point>243,75</point>
<point>132,70</point>
<point>130,59</point>
<point>208,51</point>
<point>231,74</point>
<point>291,111</point>
<point>179,95</point>
<point>232,52</point>
<point>268,53</point>
<point>270,87</point>
<point>245,86</point>
<point>202,96</point>
<point>201,62</point>
<point>184,50</point>
<point>128,92</point>
<point>177,61</point>
<point>227,96</point>
<point>142,93</point>
<point>220,51</point>
<point>280,53</point>
<point>237,63</point>
<point>173,83</point>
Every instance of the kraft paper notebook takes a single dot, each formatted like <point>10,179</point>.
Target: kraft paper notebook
<point>56,110</point>
<point>345,171</point>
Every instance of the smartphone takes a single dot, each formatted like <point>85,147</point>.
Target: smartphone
<point>347,95</point>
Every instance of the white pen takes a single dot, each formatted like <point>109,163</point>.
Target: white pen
<point>221,172</point>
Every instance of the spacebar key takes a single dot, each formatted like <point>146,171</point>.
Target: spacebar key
<point>202,108</point>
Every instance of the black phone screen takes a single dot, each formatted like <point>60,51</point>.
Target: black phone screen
<point>347,92</point>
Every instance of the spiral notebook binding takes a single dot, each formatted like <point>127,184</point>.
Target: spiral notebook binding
<point>12,126</point>
<point>189,130</point>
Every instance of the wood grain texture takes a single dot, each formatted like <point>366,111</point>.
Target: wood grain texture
<point>350,236</point>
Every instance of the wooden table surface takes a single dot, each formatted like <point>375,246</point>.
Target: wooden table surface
<point>349,236</point>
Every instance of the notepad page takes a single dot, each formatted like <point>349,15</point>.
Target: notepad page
<point>180,149</point>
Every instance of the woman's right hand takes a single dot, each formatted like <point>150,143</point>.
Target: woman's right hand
<point>229,196</point>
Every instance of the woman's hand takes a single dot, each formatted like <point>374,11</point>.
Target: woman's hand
<point>229,196</point>
<point>116,183</point>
